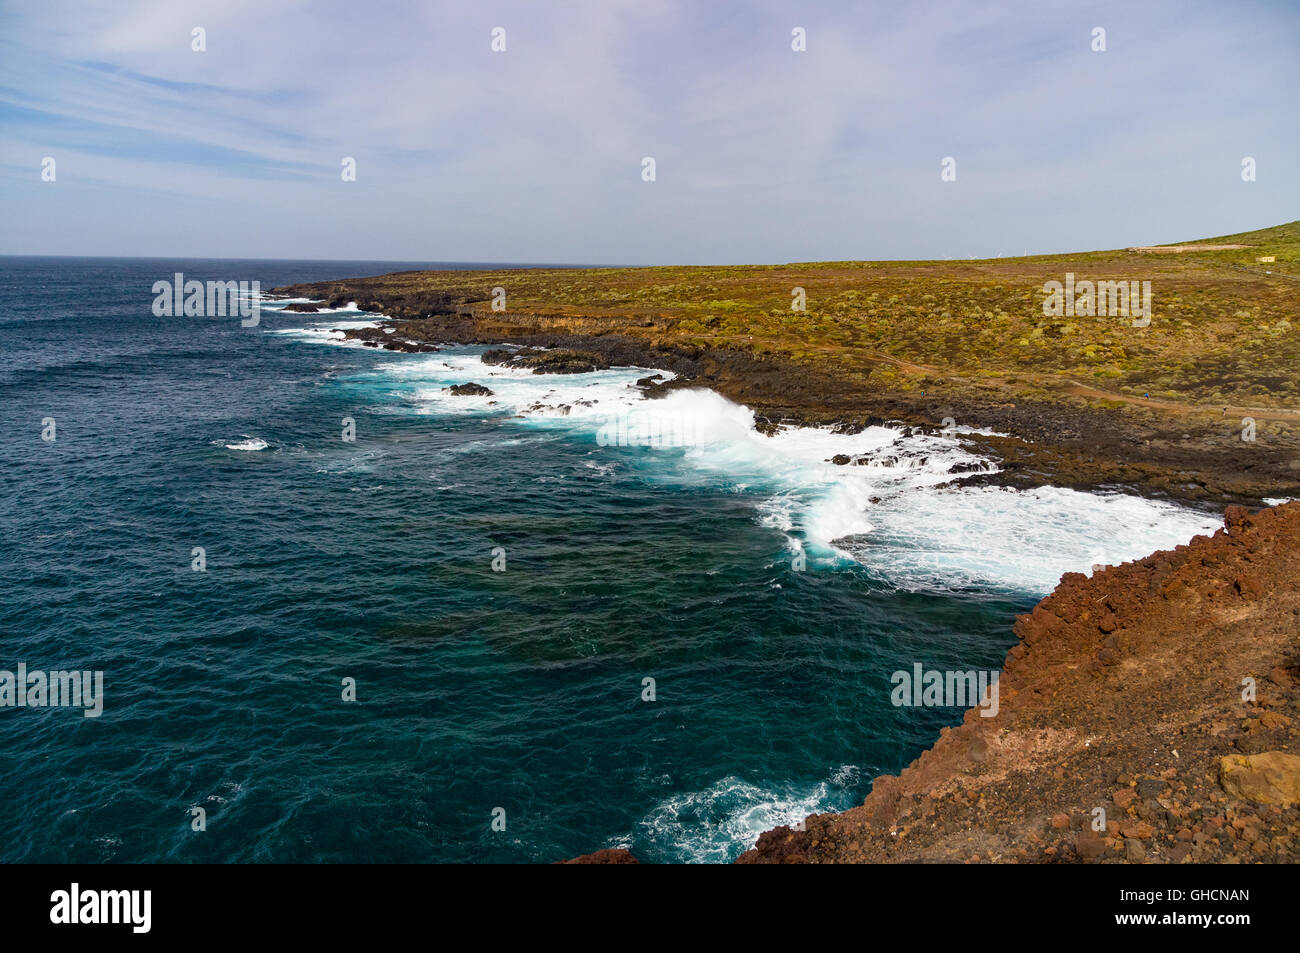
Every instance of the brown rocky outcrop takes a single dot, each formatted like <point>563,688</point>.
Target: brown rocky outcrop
<point>1268,778</point>
<point>399,337</point>
<point>1149,713</point>
<point>543,361</point>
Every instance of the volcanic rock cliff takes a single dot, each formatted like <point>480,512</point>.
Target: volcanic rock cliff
<point>1149,713</point>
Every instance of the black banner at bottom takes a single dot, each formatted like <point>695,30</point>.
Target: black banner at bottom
<point>338,902</point>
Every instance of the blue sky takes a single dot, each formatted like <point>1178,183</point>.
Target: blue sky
<point>763,154</point>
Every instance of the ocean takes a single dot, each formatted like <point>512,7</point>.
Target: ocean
<point>560,636</point>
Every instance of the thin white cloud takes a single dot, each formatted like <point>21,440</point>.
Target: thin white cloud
<point>763,154</point>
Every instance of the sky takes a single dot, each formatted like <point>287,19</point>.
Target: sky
<point>762,153</point>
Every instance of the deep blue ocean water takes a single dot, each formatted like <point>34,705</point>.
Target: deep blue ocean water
<point>372,560</point>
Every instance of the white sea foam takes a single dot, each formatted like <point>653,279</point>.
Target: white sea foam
<point>887,509</point>
<point>1017,540</point>
<point>278,305</point>
<point>717,824</point>
<point>252,443</point>
<point>328,326</point>
<point>330,332</point>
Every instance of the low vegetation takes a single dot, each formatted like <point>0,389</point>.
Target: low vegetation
<point>1225,328</point>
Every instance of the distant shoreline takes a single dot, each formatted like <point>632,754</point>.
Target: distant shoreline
<point>1215,439</point>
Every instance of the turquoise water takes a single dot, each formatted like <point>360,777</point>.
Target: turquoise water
<point>372,560</point>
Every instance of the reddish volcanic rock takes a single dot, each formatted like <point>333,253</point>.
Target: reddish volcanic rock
<point>1158,673</point>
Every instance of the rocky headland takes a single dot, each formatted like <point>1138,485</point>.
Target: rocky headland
<point>1148,713</point>
<point>1192,407</point>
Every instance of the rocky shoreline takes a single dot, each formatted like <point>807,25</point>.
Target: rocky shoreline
<point>1149,713</point>
<point>1063,441</point>
<point>1123,700</point>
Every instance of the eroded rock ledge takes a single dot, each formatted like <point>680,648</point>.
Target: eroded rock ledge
<point>1123,696</point>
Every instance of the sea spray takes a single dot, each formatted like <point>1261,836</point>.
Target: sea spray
<point>895,507</point>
